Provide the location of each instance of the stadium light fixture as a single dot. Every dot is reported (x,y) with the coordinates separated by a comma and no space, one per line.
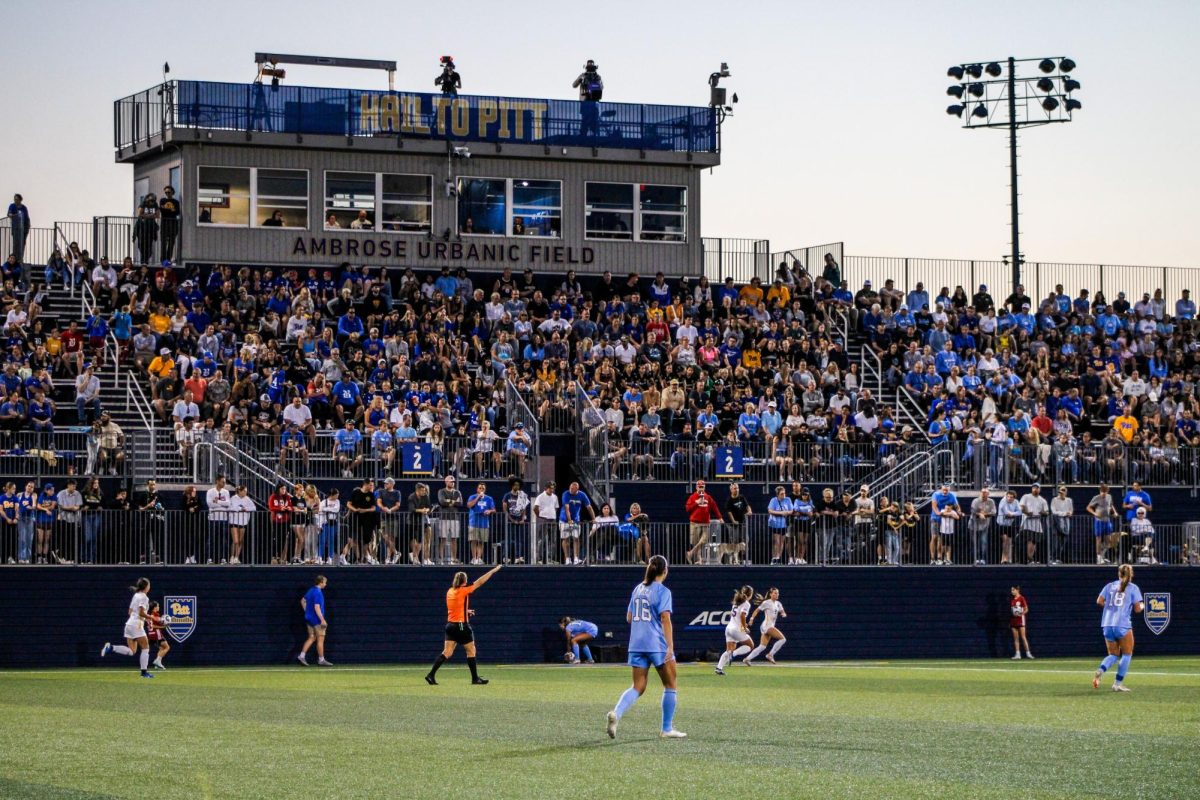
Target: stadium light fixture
(1010,100)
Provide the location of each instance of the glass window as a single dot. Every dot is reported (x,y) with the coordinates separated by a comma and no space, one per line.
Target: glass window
(536,208)
(482,206)
(662,213)
(608,211)
(281,198)
(223,196)
(407,203)
(350,200)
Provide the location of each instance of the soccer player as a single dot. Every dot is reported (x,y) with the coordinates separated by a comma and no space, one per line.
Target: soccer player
(135,628)
(1120,600)
(1019,607)
(651,641)
(579,633)
(458,624)
(771,610)
(154,634)
(313,604)
(737,631)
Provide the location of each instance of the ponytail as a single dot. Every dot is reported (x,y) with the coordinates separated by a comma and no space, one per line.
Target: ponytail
(743,594)
(759,599)
(142,585)
(1126,575)
(657,566)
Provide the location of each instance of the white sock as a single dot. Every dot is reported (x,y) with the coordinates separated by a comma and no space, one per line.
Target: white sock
(145,659)
(755,653)
(122,650)
(158,661)
(723,661)
(778,644)
(741,651)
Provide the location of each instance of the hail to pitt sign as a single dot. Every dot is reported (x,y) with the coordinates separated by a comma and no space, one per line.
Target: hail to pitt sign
(440,252)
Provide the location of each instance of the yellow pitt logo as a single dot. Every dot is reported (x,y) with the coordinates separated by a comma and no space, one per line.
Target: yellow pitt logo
(179,609)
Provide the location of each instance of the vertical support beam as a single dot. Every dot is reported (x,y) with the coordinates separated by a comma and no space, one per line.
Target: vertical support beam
(1012,172)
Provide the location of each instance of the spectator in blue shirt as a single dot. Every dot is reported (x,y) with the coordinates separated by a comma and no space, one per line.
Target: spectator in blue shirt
(1185,308)
(346,443)
(349,323)
(480,507)
(748,424)
(313,604)
(918,298)
(570,515)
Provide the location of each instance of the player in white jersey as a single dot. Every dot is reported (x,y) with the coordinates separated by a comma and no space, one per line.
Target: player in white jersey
(135,628)
(737,632)
(771,609)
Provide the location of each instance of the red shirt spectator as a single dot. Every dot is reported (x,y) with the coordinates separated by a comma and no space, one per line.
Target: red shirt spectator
(1042,424)
(198,386)
(280,506)
(702,507)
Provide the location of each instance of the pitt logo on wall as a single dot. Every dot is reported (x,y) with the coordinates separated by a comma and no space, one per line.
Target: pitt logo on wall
(488,118)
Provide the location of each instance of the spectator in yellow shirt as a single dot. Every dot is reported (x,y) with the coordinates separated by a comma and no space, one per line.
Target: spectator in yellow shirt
(162,366)
(752,292)
(779,295)
(1126,427)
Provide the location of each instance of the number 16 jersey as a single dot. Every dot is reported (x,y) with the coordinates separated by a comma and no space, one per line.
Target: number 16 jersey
(645,609)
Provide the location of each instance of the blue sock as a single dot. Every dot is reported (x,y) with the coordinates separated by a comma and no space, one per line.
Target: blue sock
(1107,663)
(575,651)
(668,708)
(1123,667)
(627,700)
(587,653)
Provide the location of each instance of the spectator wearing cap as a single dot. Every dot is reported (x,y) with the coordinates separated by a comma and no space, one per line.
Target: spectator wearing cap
(87,394)
(771,420)
(45,515)
(160,366)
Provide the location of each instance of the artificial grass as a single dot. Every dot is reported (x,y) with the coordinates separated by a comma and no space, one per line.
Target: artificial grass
(872,730)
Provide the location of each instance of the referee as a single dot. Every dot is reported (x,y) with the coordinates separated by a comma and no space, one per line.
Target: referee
(458,628)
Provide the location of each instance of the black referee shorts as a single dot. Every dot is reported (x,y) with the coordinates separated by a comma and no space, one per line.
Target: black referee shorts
(459,633)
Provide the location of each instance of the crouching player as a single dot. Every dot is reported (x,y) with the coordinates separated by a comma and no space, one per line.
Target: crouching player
(579,632)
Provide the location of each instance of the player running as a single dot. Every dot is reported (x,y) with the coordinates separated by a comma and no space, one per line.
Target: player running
(1120,600)
(651,641)
(135,628)
(154,634)
(771,610)
(458,624)
(737,631)
(579,633)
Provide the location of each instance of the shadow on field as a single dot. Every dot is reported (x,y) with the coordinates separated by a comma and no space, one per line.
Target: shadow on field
(564,748)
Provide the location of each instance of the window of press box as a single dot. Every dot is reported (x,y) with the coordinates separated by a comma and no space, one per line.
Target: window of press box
(536,208)
(482,206)
(608,211)
(350,200)
(281,198)
(407,203)
(223,196)
(663,213)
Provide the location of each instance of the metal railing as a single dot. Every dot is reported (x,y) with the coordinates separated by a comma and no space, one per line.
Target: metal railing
(981,463)
(177,537)
(411,115)
(30,455)
(592,446)
(1039,278)
(112,237)
(740,259)
(811,259)
(518,411)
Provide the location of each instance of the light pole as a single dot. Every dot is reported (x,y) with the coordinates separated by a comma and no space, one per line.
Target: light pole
(1012,101)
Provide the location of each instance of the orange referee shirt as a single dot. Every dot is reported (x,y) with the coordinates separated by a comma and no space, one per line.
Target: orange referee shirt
(456,603)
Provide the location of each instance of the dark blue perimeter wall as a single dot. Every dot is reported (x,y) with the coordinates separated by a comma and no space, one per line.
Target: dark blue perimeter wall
(61,616)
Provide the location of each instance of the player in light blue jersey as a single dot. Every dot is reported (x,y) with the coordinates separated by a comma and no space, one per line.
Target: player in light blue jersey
(1120,600)
(579,633)
(651,641)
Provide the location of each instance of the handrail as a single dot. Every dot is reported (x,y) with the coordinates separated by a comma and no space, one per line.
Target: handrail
(517,410)
(907,409)
(915,473)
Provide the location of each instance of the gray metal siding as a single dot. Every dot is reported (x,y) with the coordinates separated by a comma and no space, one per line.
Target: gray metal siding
(275,246)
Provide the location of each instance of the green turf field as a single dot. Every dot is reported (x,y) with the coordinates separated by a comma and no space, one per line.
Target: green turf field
(870,730)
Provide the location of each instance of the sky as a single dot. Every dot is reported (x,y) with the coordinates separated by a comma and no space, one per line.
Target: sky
(841,133)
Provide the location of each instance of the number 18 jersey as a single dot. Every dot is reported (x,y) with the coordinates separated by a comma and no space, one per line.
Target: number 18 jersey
(645,607)
(1118,605)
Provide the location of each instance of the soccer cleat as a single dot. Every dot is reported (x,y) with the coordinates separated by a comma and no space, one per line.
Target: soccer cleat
(1096,679)
(1029,656)
(479,682)
(106,649)
(323,663)
(302,659)
(146,674)
(770,658)
(1120,687)
(746,661)
(432,681)
(719,671)
(158,665)
(1016,657)
(611,727)
(672,734)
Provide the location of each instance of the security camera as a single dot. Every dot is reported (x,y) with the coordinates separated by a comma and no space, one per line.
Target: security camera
(462,152)
(450,190)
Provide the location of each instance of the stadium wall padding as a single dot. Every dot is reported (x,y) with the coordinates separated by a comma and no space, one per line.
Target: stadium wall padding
(60,617)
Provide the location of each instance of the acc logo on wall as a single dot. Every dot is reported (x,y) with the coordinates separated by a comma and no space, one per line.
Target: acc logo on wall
(182,611)
(1158,611)
(710,619)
